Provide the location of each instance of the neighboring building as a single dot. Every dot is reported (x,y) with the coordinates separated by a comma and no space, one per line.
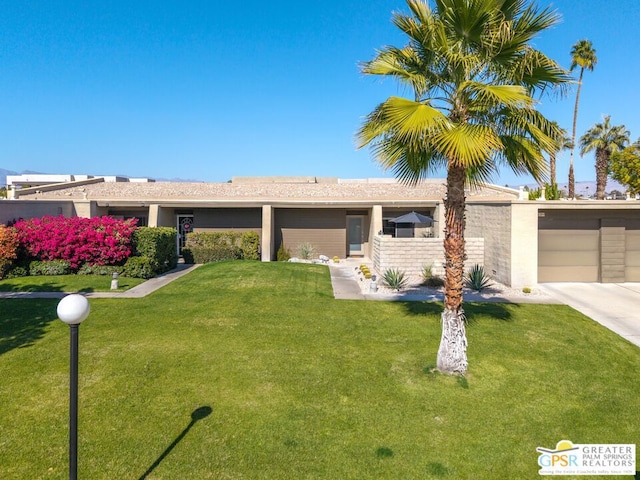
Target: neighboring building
(520,242)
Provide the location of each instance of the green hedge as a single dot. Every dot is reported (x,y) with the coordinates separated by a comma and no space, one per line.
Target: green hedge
(206,247)
(157,244)
(140,267)
(250,246)
(87,269)
(49,267)
(216,253)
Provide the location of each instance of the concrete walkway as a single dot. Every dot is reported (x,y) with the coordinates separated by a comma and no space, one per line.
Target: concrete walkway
(614,305)
(138,291)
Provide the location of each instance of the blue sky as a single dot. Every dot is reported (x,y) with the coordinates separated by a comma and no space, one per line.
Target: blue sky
(208,90)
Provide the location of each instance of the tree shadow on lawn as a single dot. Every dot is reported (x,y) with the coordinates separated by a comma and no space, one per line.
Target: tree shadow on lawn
(197,414)
(473,311)
(7,286)
(23,321)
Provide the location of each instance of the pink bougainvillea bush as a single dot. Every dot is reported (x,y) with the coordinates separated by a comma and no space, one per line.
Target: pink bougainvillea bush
(94,241)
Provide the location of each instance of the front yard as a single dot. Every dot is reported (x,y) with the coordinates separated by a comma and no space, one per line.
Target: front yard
(253,370)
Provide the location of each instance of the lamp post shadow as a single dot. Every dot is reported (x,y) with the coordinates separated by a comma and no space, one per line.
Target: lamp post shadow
(197,414)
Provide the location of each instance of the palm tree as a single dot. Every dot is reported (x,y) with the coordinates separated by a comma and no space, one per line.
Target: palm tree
(583,55)
(472,73)
(562,142)
(605,139)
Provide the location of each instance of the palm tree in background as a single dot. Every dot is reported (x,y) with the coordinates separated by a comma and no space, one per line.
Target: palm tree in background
(473,75)
(583,55)
(562,142)
(605,139)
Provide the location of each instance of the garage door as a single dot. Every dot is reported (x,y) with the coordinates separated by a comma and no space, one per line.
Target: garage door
(632,256)
(568,255)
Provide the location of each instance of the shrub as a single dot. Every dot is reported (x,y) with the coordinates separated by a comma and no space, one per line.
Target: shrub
(17,271)
(395,278)
(208,254)
(157,243)
(87,269)
(283,254)
(8,249)
(49,267)
(250,246)
(139,267)
(205,247)
(97,241)
(477,279)
(434,282)
(306,251)
(426,272)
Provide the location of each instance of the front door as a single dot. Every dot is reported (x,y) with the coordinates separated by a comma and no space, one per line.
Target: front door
(185,225)
(355,226)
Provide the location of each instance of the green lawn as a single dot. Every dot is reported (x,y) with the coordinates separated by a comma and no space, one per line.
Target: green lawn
(66,283)
(248,370)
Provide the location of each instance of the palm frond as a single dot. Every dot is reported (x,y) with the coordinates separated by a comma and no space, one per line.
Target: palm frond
(466,145)
(511,95)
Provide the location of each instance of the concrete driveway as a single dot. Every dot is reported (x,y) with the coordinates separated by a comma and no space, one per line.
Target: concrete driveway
(614,305)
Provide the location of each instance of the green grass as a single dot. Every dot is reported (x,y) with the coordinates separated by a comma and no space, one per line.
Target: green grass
(66,283)
(303,386)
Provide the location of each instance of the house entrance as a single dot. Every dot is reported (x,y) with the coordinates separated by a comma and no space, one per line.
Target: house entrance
(185,225)
(355,224)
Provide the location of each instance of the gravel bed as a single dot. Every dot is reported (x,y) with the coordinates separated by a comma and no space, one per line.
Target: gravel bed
(415,287)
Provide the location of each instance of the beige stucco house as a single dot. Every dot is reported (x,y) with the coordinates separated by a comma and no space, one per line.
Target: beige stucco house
(520,242)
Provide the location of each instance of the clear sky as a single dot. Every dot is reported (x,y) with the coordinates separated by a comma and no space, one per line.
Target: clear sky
(208,90)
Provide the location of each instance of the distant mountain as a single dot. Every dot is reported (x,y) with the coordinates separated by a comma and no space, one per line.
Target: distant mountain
(586,189)
(3,176)
(178,180)
(5,172)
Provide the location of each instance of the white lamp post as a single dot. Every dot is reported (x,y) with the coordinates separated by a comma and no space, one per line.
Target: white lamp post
(72,310)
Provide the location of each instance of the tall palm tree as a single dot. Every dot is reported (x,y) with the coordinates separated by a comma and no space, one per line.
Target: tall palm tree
(562,142)
(583,55)
(472,73)
(605,139)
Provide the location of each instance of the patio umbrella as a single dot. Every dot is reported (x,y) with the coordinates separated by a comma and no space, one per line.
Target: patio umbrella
(412,217)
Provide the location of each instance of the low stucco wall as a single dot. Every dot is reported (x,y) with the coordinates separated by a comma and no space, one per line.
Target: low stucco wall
(413,254)
(15,209)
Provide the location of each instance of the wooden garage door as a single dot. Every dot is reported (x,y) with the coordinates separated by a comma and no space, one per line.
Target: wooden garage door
(568,255)
(632,256)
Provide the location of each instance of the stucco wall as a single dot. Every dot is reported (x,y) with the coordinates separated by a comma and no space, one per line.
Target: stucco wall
(15,209)
(413,254)
(323,228)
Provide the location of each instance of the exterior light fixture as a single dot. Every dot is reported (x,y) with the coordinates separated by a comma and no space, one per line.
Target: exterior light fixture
(72,310)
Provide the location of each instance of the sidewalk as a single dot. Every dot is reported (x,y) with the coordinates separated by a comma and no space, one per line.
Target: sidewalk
(139,291)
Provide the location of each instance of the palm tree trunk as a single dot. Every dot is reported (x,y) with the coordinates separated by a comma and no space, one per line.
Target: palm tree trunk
(552,168)
(452,354)
(602,166)
(572,185)
(572,181)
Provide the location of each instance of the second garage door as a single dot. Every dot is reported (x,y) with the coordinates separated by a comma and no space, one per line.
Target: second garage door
(568,256)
